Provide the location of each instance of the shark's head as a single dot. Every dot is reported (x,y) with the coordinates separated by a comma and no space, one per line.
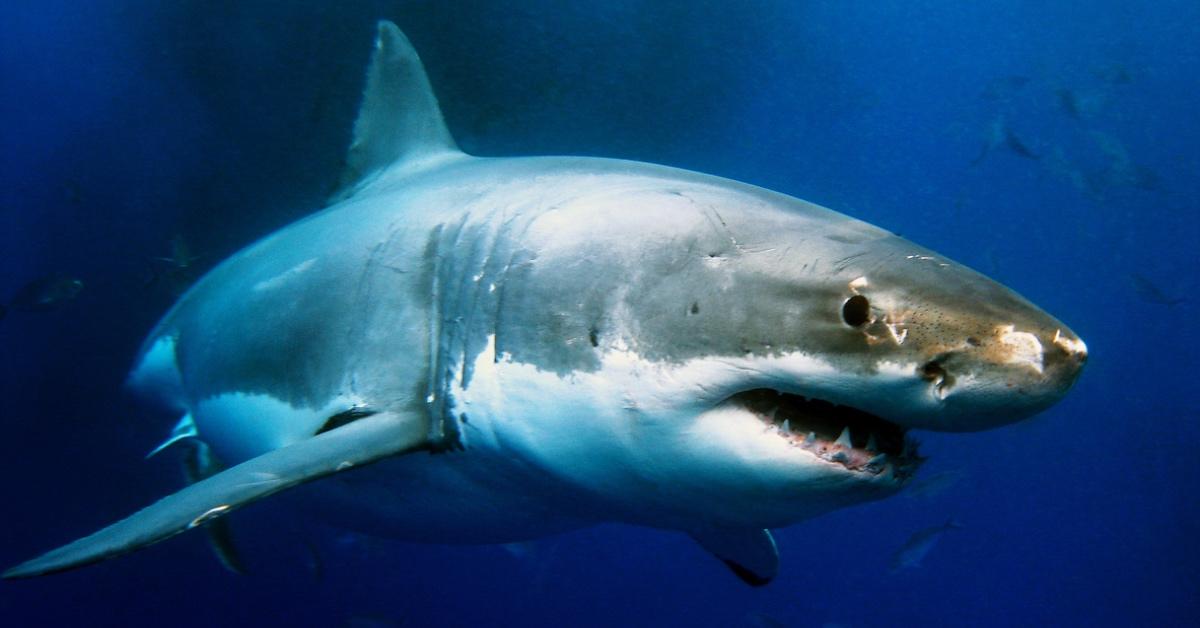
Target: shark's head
(750,358)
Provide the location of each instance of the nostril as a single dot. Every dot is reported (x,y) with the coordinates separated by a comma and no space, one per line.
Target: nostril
(933,372)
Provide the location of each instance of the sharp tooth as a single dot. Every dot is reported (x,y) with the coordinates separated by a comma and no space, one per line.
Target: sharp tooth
(872,445)
(877,460)
(811,438)
(787,427)
(844,439)
(889,473)
(841,456)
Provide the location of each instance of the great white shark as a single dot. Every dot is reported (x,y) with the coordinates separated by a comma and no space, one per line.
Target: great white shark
(489,350)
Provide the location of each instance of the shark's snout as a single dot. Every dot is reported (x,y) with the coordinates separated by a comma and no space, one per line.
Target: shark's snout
(1002,376)
(1063,357)
(1072,351)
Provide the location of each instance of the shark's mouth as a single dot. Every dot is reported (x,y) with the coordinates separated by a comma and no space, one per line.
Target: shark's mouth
(859,441)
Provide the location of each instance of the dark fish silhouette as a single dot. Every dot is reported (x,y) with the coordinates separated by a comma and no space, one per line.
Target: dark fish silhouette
(1122,170)
(176,272)
(918,545)
(1078,104)
(45,293)
(1000,135)
(1014,143)
(1068,101)
(1151,293)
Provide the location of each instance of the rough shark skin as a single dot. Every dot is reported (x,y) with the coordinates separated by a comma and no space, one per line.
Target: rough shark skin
(529,345)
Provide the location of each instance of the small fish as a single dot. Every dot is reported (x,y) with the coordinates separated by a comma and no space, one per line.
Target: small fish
(1151,293)
(181,254)
(177,271)
(1078,104)
(1122,170)
(1068,102)
(1014,143)
(46,293)
(1000,135)
(918,545)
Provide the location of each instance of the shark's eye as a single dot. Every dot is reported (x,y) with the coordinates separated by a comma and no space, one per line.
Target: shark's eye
(856,311)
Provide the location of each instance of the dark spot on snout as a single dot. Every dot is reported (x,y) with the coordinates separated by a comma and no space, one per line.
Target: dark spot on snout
(973,341)
(594,337)
(856,311)
(695,307)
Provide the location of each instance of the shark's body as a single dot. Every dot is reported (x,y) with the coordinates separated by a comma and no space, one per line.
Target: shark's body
(525,346)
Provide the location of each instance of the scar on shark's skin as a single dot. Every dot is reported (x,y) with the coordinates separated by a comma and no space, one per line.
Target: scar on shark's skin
(493,350)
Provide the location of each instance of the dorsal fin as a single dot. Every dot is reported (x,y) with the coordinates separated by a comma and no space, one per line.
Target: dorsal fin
(399,122)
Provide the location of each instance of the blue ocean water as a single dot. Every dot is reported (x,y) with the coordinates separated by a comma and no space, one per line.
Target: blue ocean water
(128,124)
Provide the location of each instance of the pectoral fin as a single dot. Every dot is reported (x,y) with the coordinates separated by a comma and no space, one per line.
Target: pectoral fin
(364,441)
(749,552)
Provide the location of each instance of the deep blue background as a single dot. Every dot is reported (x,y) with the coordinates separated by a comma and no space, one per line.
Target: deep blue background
(123,124)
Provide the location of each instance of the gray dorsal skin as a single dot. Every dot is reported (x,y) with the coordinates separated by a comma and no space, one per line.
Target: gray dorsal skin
(399,123)
(359,443)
